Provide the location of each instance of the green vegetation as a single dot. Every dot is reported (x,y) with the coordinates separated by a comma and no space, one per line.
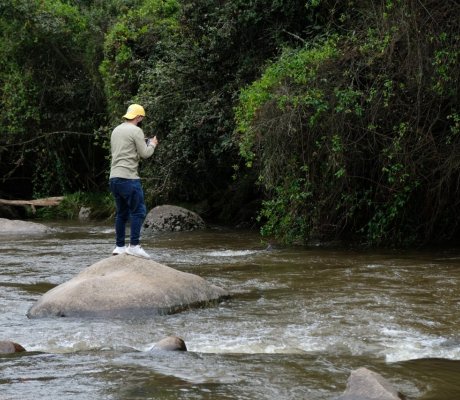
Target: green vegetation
(50,96)
(355,136)
(102,206)
(312,119)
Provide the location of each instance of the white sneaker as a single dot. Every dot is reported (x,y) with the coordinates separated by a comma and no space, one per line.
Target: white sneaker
(118,250)
(137,251)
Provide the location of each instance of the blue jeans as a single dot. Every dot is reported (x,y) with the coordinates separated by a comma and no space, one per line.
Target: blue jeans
(129,199)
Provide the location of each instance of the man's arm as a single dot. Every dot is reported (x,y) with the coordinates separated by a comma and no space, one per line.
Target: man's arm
(144,150)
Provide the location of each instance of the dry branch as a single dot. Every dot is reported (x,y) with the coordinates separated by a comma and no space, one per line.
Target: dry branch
(48,201)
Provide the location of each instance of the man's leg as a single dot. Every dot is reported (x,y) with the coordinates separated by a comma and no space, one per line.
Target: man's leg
(137,211)
(120,189)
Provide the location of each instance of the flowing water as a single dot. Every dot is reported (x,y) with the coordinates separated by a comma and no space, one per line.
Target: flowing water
(298,322)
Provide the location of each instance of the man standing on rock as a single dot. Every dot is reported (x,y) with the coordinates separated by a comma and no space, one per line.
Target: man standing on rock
(128,145)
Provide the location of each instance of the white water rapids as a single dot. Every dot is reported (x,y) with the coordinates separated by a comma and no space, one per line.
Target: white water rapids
(298,322)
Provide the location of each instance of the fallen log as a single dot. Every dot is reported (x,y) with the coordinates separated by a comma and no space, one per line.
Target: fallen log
(45,202)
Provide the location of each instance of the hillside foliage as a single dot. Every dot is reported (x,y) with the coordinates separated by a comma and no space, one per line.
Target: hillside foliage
(359,134)
(311,119)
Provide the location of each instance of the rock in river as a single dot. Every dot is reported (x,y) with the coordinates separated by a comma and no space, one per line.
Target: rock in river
(7,347)
(364,384)
(170,343)
(18,227)
(124,285)
(168,218)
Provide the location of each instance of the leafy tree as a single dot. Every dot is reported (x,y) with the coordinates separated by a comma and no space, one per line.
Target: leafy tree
(51,98)
(357,136)
(186,68)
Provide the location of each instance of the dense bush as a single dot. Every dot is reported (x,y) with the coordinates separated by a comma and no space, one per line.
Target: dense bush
(358,136)
(136,41)
(50,96)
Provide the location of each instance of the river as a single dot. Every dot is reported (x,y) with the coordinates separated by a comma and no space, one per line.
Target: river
(298,322)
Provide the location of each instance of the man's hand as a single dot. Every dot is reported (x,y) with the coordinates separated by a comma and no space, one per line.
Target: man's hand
(153,141)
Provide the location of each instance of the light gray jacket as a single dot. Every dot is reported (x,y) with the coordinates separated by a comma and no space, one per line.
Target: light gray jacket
(128,145)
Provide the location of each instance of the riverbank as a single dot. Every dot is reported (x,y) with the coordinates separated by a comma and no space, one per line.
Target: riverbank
(100,208)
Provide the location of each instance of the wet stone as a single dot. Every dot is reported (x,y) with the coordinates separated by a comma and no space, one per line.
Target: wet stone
(124,285)
(168,218)
(7,347)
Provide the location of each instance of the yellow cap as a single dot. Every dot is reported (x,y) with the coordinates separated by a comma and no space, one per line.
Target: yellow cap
(133,111)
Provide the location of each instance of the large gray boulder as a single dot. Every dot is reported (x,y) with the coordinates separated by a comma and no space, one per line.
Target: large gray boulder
(169,218)
(18,227)
(124,285)
(364,384)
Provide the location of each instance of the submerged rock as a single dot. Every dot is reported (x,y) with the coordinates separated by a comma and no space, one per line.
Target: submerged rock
(126,286)
(364,384)
(169,218)
(15,227)
(7,347)
(170,343)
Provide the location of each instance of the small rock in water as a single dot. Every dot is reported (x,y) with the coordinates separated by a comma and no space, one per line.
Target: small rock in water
(84,214)
(364,384)
(7,347)
(170,343)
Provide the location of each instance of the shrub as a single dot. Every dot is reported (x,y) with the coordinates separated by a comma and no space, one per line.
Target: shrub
(50,98)
(357,137)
